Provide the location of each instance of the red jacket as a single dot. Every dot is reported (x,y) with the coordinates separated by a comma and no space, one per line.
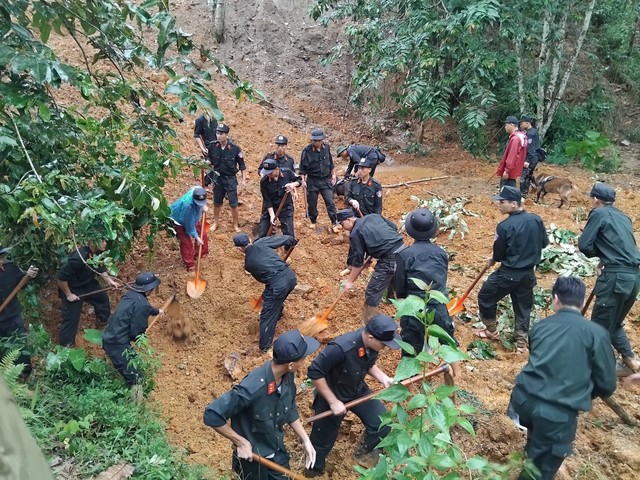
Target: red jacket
(514,155)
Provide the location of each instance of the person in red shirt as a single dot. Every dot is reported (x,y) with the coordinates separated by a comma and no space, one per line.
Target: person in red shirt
(515,152)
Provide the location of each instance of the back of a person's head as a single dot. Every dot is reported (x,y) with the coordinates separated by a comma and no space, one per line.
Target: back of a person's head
(570,291)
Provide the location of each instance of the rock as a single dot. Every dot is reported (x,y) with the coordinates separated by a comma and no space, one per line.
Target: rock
(625,143)
(301,289)
(191,397)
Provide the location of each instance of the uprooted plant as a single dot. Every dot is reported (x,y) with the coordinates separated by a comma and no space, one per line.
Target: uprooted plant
(449,215)
(563,257)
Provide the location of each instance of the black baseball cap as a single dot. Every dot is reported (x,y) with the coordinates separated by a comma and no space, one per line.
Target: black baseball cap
(344,214)
(268,166)
(4,250)
(241,240)
(364,162)
(223,128)
(292,346)
(511,194)
(512,119)
(603,192)
(384,329)
(525,118)
(281,140)
(199,196)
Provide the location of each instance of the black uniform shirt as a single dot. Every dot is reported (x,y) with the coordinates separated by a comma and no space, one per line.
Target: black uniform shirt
(273,190)
(519,241)
(76,273)
(226,161)
(533,145)
(372,235)
(10,276)
(130,319)
(206,129)
(425,261)
(285,162)
(570,361)
(261,259)
(258,409)
(343,364)
(316,163)
(608,235)
(368,195)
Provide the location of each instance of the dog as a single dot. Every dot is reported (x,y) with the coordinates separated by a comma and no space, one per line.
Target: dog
(544,184)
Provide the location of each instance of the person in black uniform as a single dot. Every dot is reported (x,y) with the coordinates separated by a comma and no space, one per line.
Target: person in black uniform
(226,159)
(355,153)
(608,235)
(11,322)
(130,320)
(364,193)
(338,374)
(376,237)
(273,185)
(533,153)
(285,161)
(425,261)
(570,363)
(77,278)
(318,176)
(518,246)
(260,406)
(266,266)
(204,132)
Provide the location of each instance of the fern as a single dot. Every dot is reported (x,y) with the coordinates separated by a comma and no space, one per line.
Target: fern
(11,373)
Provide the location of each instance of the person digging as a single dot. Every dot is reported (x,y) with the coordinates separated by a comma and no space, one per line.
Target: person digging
(186,213)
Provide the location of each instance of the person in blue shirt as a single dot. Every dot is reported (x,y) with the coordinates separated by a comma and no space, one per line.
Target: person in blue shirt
(186,213)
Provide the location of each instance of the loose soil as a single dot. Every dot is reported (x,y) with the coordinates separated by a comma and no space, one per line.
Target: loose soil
(193,373)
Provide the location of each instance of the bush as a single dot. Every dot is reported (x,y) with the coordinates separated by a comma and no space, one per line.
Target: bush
(595,152)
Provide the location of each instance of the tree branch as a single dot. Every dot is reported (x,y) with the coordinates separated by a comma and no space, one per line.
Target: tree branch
(24,148)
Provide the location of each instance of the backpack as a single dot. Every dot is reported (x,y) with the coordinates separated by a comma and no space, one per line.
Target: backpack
(542,154)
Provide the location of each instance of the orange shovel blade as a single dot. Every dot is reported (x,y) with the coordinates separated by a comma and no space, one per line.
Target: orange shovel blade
(314,325)
(456,306)
(255,302)
(195,287)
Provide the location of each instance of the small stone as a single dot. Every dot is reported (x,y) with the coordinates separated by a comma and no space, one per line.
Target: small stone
(182,366)
(302,289)
(191,397)
(625,143)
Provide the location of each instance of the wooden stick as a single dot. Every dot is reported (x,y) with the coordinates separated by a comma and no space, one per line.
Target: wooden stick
(276,468)
(589,300)
(23,281)
(409,182)
(171,298)
(441,369)
(617,408)
(277,215)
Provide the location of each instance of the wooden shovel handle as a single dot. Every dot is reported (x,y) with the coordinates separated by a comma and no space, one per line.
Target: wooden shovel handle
(203,223)
(23,281)
(155,318)
(276,468)
(444,368)
(280,207)
(475,281)
(589,300)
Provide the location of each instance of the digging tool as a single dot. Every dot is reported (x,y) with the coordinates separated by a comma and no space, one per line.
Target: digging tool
(271,225)
(589,300)
(276,468)
(196,287)
(304,200)
(456,305)
(23,281)
(166,305)
(444,368)
(100,290)
(256,302)
(618,410)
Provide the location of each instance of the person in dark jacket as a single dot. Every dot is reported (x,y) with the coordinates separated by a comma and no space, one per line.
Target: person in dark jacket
(318,177)
(608,235)
(518,246)
(130,320)
(570,363)
(376,237)
(259,408)
(533,153)
(424,261)
(355,153)
(275,182)
(364,193)
(204,132)
(77,278)
(338,374)
(11,322)
(186,213)
(266,266)
(280,155)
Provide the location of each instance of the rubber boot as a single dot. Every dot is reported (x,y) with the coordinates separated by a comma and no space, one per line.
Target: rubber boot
(632,363)
(234,217)
(367,314)
(216,217)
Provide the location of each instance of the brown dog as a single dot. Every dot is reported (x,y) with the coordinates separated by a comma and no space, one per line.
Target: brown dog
(549,184)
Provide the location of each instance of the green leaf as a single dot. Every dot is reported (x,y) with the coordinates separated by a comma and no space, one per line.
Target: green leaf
(77,357)
(4,140)
(93,336)
(442,462)
(395,393)
(439,332)
(467,409)
(425,447)
(444,391)
(417,401)
(411,306)
(422,285)
(407,347)
(450,354)
(466,424)
(438,296)
(407,368)
(477,463)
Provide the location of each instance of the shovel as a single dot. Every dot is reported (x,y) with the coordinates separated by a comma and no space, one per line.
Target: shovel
(318,323)
(456,305)
(196,287)
(276,468)
(256,302)
(23,281)
(589,300)
(271,225)
(166,305)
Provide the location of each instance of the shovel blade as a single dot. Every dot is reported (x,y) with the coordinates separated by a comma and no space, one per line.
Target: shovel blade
(455,306)
(195,288)
(314,325)
(256,302)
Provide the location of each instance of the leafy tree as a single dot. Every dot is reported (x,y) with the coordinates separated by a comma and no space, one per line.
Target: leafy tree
(86,148)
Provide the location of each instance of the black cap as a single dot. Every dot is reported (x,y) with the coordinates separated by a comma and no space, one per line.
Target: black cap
(268,166)
(603,192)
(510,119)
(223,128)
(292,346)
(241,240)
(384,328)
(4,250)
(364,162)
(344,214)
(525,118)
(199,196)
(421,224)
(512,194)
(317,134)
(145,282)
(281,140)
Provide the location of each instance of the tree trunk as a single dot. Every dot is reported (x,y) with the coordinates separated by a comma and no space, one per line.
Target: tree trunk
(542,66)
(521,92)
(218,19)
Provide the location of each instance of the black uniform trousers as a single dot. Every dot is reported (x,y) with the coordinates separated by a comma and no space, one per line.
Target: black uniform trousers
(274,295)
(256,471)
(71,312)
(517,283)
(120,360)
(225,185)
(322,186)
(380,280)
(509,182)
(286,220)
(527,176)
(325,432)
(14,327)
(551,429)
(412,330)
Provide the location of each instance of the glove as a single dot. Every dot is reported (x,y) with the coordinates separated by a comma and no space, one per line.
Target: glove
(355,204)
